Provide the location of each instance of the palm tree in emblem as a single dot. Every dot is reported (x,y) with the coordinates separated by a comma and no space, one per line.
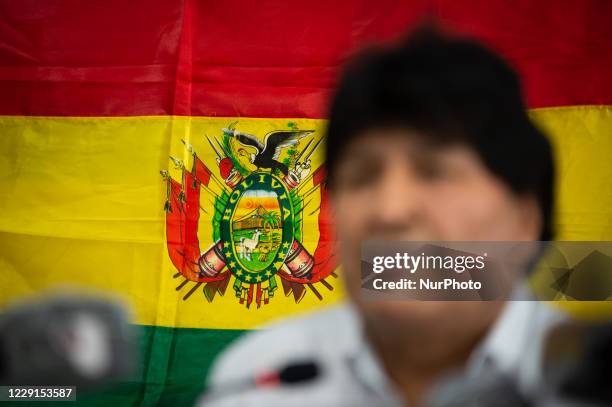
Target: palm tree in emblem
(271,220)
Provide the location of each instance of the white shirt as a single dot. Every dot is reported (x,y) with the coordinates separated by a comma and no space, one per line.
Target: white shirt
(352,374)
(515,343)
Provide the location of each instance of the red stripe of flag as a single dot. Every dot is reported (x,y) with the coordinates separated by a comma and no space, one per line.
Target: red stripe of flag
(153,57)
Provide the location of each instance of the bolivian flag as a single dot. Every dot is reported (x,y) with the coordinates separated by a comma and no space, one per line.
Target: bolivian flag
(171,153)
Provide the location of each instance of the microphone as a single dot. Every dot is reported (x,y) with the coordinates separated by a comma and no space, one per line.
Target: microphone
(67,340)
(292,374)
(578,364)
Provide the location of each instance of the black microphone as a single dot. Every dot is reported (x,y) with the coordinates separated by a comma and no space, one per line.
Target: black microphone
(578,364)
(298,372)
(65,340)
(292,374)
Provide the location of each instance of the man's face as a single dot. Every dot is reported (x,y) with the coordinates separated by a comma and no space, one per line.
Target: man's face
(391,185)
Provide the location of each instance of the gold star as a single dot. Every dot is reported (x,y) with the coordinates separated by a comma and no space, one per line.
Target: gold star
(228,253)
(225,245)
(233,264)
(239,272)
(258,278)
(248,278)
(285,245)
(268,273)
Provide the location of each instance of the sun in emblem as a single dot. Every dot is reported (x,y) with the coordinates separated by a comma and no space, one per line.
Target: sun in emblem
(257,221)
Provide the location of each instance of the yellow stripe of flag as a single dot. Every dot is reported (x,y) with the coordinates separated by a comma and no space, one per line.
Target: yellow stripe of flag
(82,204)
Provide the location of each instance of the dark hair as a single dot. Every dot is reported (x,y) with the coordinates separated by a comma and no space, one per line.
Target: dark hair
(451,90)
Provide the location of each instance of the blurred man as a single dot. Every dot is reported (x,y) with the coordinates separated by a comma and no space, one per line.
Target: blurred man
(428,140)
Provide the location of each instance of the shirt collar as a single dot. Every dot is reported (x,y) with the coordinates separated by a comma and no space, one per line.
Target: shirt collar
(366,366)
(515,344)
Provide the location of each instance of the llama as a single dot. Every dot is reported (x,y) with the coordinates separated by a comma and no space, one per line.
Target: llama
(248,245)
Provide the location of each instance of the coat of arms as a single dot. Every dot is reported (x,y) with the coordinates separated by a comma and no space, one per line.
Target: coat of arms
(257,217)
